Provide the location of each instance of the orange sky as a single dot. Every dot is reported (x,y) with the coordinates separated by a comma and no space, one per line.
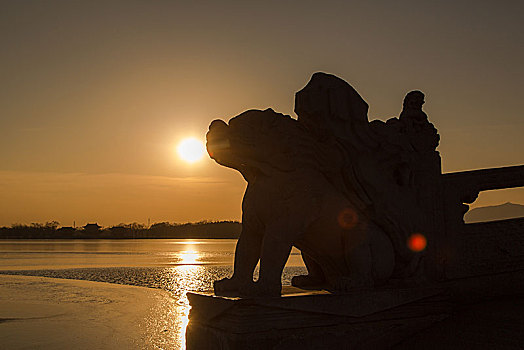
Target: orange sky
(96,95)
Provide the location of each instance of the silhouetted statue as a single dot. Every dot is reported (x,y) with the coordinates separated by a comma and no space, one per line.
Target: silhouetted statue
(376,221)
(346,192)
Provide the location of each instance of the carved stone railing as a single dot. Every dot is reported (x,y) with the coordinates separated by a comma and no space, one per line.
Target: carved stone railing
(480,248)
(462,188)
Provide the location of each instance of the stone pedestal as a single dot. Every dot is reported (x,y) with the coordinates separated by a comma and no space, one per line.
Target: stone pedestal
(375,319)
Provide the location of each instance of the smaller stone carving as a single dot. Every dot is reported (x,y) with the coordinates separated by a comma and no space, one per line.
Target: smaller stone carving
(421,133)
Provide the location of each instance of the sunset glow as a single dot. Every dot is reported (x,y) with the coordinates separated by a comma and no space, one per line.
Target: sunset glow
(315,174)
(97,102)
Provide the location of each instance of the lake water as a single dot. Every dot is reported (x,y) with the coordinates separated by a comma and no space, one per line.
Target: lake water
(177,266)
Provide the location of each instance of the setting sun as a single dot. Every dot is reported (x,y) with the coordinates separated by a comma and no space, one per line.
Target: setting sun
(191,150)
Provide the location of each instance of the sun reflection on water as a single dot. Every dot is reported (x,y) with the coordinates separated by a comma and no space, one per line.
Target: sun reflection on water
(185,278)
(179,280)
(189,257)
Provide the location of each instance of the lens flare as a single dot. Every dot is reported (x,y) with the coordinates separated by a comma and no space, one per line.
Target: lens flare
(347,218)
(417,242)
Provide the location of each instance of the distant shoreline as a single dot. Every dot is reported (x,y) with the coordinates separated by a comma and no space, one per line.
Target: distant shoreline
(164,230)
(109,238)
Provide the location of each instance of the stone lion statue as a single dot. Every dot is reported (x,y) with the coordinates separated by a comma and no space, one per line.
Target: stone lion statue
(289,202)
(346,192)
